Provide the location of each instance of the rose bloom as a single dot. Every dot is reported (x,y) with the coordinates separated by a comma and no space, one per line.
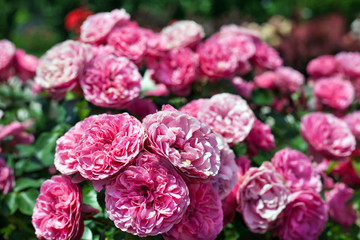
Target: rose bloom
(17,131)
(60,68)
(353,121)
(102,50)
(239,30)
(327,136)
(266,80)
(147,198)
(142,107)
(108,145)
(297,170)
(7,52)
(177,70)
(225,180)
(110,81)
(347,173)
(97,27)
(7,178)
(186,142)
(185,33)
(243,87)
(349,63)
(192,108)
(337,205)
(57,212)
(217,60)
(266,57)
(261,137)
(304,217)
(203,218)
(262,197)
(25,64)
(322,66)
(229,115)
(335,92)
(289,80)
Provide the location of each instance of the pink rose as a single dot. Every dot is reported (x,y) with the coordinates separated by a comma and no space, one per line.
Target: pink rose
(353,121)
(297,170)
(17,132)
(327,136)
(347,174)
(7,178)
(266,57)
(304,217)
(229,115)
(57,213)
(243,87)
(349,63)
(108,145)
(177,70)
(186,142)
(192,108)
(335,92)
(142,107)
(337,205)
(60,68)
(147,198)
(110,81)
(260,137)
(289,80)
(25,64)
(102,50)
(7,52)
(262,197)
(225,180)
(239,30)
(266,80)
(203,218)
(185,33)
(97,27)
(322,66)
(129,41)
(155,48)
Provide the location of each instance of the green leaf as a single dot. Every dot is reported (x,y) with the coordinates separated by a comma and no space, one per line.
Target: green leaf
(356,165)
(10,200)
(239,149)
(26,201)
(23,183)
(87,235)
(262,97)
(45,146)
(90,197)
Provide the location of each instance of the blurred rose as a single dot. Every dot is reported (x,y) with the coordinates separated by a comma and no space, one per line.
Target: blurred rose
(347,173)
(75,18)
(243,87)
(192,108)
(322,66)
(349,63)
(25,65)
(7,178)
(266,57)
(7,52)
(353,121)
(289,80)
(260,137)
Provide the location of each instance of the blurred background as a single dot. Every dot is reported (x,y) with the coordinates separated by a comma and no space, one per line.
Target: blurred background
(299,29)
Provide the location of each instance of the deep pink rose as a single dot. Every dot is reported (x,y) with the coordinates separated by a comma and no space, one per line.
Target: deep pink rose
(217,60)
(109,144)
(260,137)
(289,80)
(7,52)
(142,107)
(110,81)
(337,205)
(304,217)
(57,213)
(60,68)
(262,197)
(243,87)
(7,178)
(155,48)
(335,92)
(203,218)
(297,170)
(266,80)
(266,57)
(322,66)
(97,27)
(177,70)
(353,121)
(327,136)
(147,198)
(349,63)
(25,64)
(185,33)
(347,173)
(192,108)
(186,142)
(229,115)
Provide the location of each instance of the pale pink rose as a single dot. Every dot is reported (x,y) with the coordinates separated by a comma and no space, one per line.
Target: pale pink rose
(266,57)
(239,30)
(217,60)
(177,70)
(229,115)
(192,108)
(147,198)
(304,217)
(60,68)
(243,87)
(260,137)
(337,205)
(25,64)
(353,121)
(327,136)
(203,218)
(130,42)
(57,212)
(334,92)
(266,80)
(349,63)
(142,107)
(7,52)
(262,197)
(110,81)
(108,145)
(96,28)
(185,141)
(65,155)
(347,174)
(155,48)
(289,80)
(185,33)
(322,66)
(7,178)
(225,180)
(297,170)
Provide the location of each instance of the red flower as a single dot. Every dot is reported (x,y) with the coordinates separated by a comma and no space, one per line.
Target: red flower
(75,18)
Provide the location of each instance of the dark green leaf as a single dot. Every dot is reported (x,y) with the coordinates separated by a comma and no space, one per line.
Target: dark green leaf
(10,200)
(26,201)
(23,183)
(262,97)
